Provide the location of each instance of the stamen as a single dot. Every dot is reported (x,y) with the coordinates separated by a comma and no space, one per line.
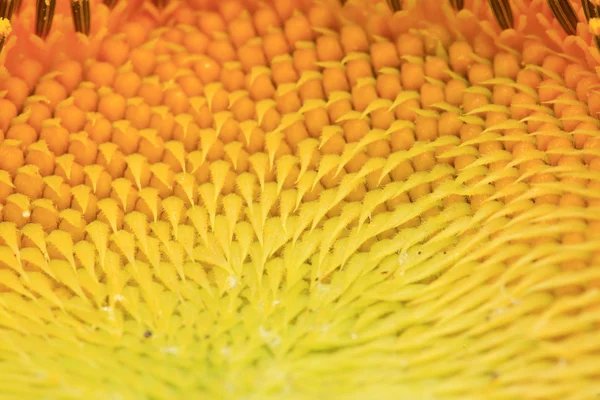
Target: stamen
(564,13)
(7,8)
(457,4)
(160,3)
(591,11)
(80,10)
(502,12)
(44,16)
(395,5)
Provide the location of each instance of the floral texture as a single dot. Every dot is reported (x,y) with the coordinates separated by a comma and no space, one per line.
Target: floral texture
(284,199)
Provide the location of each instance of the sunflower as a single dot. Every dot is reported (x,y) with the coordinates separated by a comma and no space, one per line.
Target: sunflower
(299,199)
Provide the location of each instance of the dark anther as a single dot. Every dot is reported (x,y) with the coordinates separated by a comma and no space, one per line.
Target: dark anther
(147,334)
(591,11)
(502,13)
(44,14)
(565,15)
(80,10)
(395,5)
(457,4)
(160,3)
(7,7)
(110,3)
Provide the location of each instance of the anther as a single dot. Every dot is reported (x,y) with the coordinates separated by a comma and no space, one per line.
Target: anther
(80,10)
(591,11)
(160,4)
(110,3)
(7,7)
(502,13)
(395,5)
(565,15)
(457,4)
(44,16)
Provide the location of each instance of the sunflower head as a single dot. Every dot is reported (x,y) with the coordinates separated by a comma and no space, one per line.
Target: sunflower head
(299,199)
